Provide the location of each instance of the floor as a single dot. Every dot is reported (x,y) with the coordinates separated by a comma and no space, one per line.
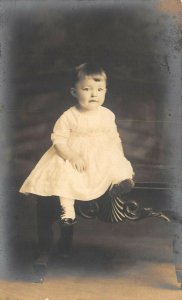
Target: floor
(129,261)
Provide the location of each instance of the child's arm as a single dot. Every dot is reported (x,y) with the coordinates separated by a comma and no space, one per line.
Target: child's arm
(59,137)
(114,134)
(120,146)
(77,162)
(116,138)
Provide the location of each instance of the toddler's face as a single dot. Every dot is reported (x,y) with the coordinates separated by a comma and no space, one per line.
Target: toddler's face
(90,92)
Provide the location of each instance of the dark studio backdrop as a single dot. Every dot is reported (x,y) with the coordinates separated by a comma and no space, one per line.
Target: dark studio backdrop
(133,43)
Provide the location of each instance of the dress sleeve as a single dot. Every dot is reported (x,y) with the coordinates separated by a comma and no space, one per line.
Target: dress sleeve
(113,131)
(61,131)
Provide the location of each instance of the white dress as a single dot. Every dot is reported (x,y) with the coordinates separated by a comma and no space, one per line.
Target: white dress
(95,137)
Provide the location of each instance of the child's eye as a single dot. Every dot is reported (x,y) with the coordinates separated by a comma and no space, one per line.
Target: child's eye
(100,89)
(85,89)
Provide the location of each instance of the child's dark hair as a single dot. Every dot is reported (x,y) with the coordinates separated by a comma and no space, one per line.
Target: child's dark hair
(88,69)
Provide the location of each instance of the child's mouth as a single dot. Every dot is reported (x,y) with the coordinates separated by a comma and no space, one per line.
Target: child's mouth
(93,101)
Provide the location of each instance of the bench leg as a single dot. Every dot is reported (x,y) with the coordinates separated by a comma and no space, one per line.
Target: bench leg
(65,242)
(177,250)
(47,212)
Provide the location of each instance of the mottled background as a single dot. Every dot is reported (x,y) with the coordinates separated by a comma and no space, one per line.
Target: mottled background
(128,43)
(136,44)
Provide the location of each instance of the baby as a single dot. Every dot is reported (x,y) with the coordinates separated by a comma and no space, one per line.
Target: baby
(86,157)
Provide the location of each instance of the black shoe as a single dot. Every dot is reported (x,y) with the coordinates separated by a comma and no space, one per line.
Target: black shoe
(121,188)
(126,186)
(68,221)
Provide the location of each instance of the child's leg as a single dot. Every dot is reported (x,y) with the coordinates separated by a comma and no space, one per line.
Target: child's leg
(68,208)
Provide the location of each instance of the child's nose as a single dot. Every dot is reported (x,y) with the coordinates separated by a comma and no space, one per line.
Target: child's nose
(94,93)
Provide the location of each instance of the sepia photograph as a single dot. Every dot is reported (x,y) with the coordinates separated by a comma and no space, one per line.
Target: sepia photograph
(90,156)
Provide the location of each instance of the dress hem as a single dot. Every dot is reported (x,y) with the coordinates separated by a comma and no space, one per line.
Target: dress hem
(88,198)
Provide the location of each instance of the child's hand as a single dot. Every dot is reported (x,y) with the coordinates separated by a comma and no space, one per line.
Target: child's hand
(78,163)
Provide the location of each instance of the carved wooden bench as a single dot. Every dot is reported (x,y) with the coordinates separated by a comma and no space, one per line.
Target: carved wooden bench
(109,208)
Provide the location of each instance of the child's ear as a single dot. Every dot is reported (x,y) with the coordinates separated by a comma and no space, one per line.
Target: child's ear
(73,92)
